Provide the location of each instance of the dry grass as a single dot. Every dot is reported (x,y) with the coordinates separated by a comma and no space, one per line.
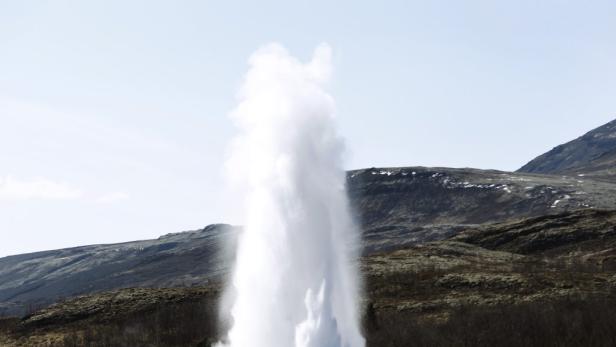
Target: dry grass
(566,322)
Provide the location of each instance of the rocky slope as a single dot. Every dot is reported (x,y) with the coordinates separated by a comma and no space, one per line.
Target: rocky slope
(521,275)
(184,259)
(591,233)
(399,206)
(514,261)
(593,154)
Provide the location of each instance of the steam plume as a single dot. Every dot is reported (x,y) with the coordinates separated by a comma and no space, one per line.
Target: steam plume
(294,282)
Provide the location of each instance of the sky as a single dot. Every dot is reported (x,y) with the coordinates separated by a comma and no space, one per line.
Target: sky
(114,114)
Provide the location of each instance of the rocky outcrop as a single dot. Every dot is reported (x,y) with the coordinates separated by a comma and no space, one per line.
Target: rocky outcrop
(584,231)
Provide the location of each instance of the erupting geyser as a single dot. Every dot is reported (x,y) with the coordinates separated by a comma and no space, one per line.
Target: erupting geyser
(295,281)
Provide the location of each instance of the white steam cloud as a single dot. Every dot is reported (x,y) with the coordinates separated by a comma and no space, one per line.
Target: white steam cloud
(295,280)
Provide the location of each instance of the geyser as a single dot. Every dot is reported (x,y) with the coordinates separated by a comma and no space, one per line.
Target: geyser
(295,281)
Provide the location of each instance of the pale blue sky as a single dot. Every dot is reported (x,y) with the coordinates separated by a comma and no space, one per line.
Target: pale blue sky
(113,119)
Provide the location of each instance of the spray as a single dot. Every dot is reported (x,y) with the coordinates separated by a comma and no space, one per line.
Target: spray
(295,281)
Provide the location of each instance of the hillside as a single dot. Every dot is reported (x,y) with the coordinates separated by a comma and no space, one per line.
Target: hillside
(174,260)
(397,207)
(561,290)
(590,155)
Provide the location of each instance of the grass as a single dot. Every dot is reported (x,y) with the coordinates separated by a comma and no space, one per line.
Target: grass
(566,322)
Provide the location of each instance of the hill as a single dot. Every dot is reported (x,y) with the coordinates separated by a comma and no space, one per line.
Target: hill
(590,155)
(541,281)
(396,207)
